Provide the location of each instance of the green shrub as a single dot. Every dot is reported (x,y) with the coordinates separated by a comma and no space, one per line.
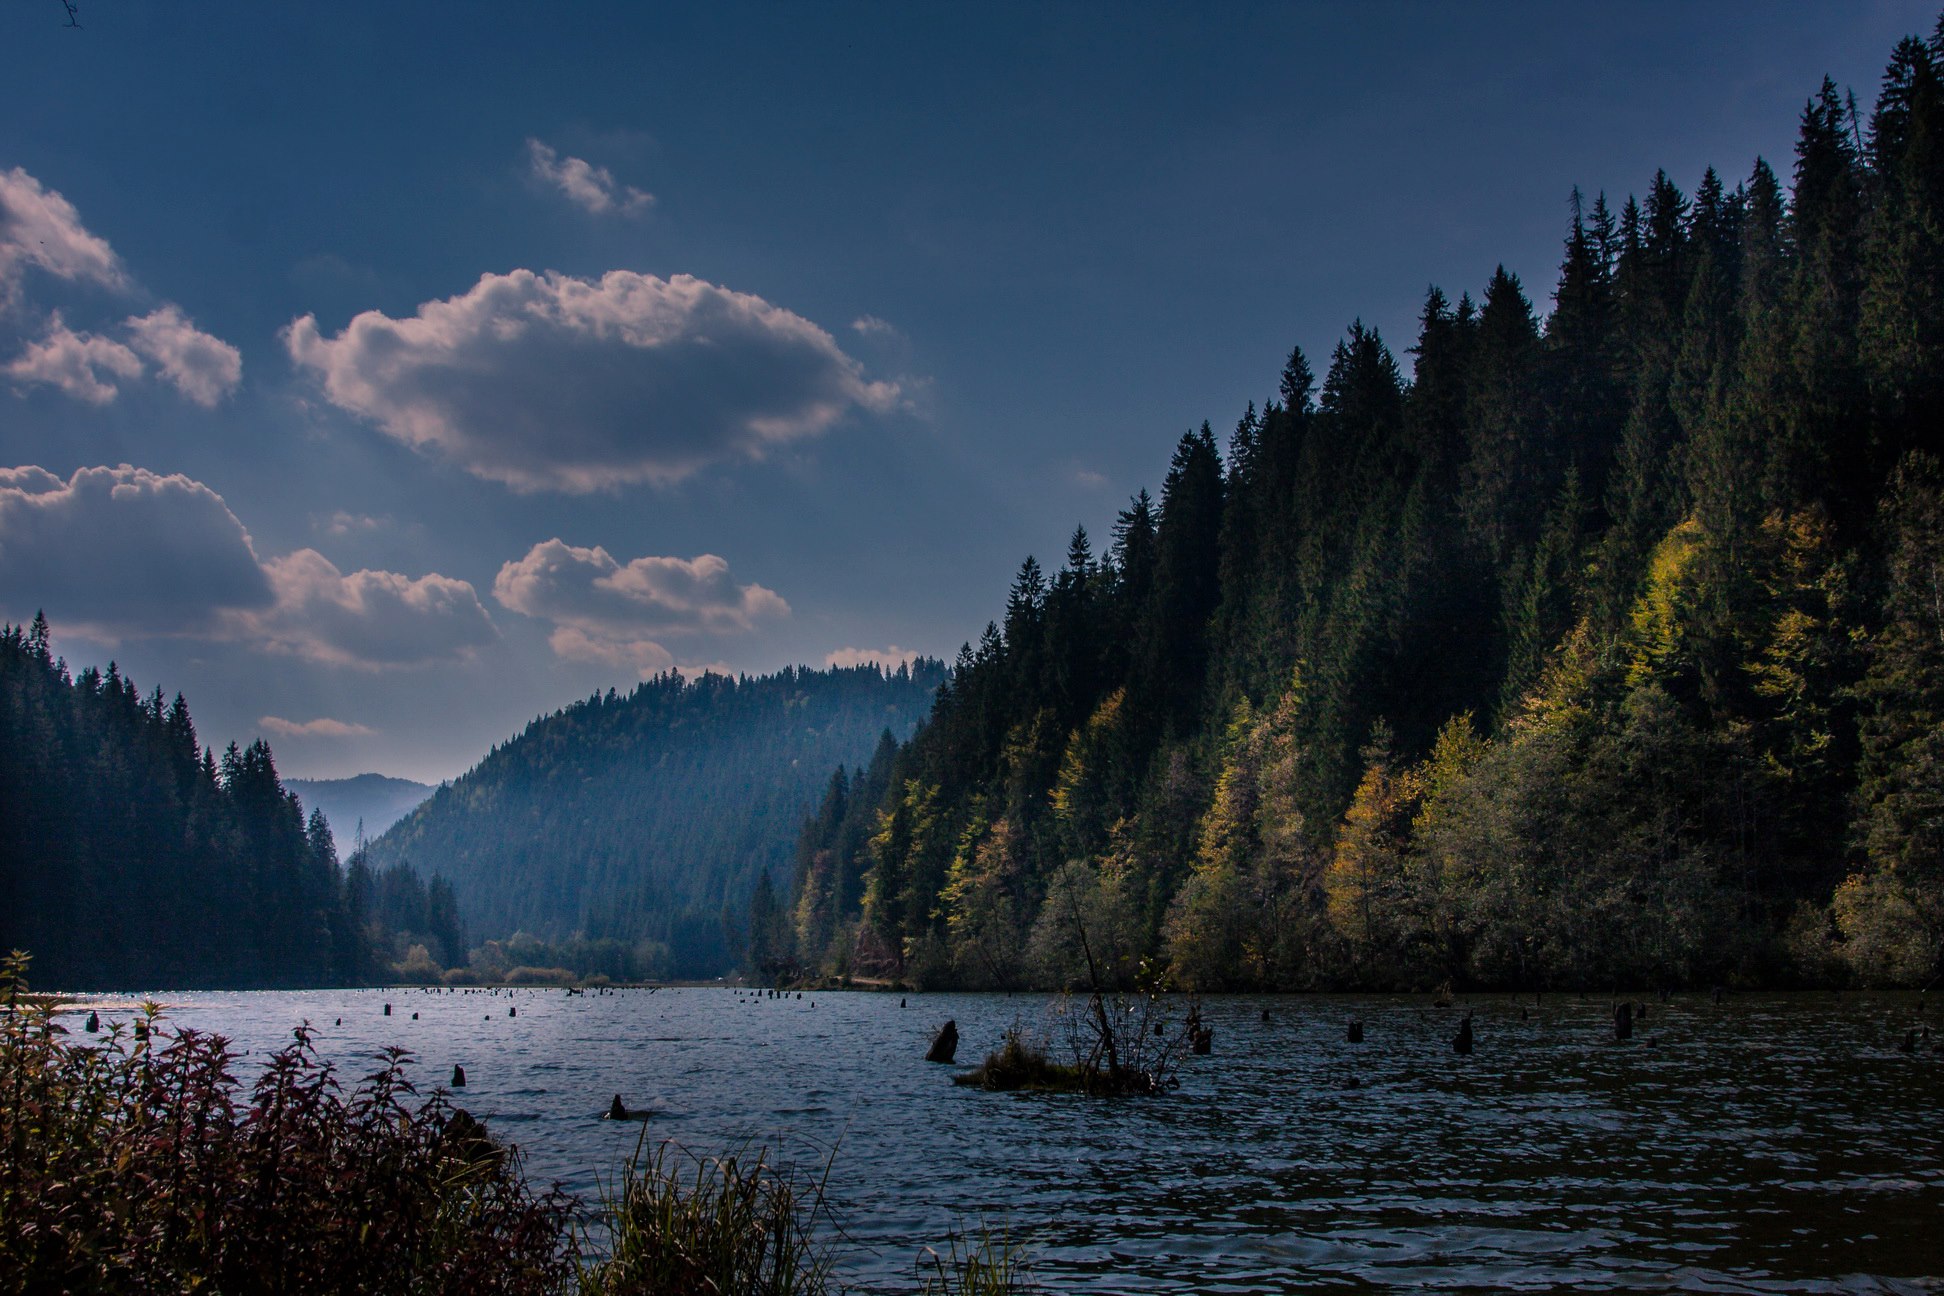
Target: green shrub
(139,1164)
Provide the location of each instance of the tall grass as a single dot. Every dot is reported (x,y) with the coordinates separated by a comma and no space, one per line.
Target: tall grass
(734,1225)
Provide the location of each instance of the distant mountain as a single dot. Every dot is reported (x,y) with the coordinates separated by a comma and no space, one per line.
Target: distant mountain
(377,800)
(646,819)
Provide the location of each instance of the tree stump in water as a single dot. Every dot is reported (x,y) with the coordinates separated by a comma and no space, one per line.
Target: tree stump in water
(1462,1044)
(1355,1035)
(944,1045)
(1623,1022)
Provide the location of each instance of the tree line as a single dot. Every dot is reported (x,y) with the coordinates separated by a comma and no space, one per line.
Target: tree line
(131,856)
(625,835)
(1604,647)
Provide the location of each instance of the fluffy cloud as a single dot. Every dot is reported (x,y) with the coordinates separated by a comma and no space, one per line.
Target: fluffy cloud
(888,659)
(322,727)
(589,589)
(124,550)
(548,382)
(127,553)
(84,365)
(40,228)
(607,611)
(203,368)
(369,619)
(644,657)
(584,184)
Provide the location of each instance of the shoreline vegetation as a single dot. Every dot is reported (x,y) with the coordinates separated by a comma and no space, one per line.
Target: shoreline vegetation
(140,1162)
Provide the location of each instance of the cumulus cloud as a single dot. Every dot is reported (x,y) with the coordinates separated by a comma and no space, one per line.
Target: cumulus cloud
(549,382)
(608,611)
(870,325)
(84,365)
(590,589)
(322,727)
(40,228)
(585,185)
(123,552)
(202,367)
(644,657)
(369,619)
(888,659)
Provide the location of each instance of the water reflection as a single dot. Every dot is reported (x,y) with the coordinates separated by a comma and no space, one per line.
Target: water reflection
(1775,1143)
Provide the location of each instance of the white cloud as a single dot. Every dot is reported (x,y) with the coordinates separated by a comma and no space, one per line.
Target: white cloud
(548,382)
(888,659)
(123,552)
(118,551)
(870,325)
(84,365)
(586,185)
(322,727)
(590,589)
(607,611)
(645,657)
(203,368)
(344,523)
(40,228)
(369,619)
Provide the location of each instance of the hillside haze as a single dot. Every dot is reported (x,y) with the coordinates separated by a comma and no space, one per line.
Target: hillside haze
(647,818)
(374,800)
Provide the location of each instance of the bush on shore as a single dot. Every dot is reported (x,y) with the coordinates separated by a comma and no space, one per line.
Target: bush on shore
(136,1162)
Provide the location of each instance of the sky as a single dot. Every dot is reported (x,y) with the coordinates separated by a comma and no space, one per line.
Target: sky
(380,377)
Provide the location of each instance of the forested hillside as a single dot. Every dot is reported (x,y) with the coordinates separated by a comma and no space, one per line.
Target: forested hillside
(638,826)
(132,857)
(1605,648)
(372,801)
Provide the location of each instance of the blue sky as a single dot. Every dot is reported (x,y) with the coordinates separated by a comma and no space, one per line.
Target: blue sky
(465,359)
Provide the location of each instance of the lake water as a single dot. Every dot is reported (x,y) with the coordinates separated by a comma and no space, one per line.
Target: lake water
(1769,1143)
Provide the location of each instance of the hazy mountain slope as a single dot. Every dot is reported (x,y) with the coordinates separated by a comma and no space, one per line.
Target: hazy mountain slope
(375,799)
(648,817)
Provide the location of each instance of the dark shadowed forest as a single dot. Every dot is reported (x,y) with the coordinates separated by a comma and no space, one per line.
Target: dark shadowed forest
(1607,647)
(132,856)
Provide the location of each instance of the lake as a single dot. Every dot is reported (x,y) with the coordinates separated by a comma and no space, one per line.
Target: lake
(1768,1143)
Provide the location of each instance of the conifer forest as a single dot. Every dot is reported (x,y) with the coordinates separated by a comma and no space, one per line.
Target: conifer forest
(1606,647)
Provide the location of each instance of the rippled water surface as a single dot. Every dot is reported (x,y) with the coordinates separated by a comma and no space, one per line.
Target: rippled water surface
(1772,1143)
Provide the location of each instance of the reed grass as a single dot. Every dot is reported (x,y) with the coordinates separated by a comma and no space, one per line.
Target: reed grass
(687,1225)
